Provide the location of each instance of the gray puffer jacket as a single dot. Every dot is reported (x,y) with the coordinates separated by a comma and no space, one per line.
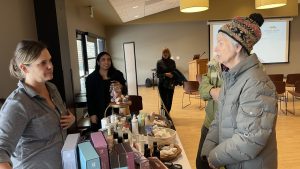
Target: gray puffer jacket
(242,135)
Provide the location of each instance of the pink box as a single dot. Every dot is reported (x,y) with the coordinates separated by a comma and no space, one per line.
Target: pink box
(100,144)
(123,152)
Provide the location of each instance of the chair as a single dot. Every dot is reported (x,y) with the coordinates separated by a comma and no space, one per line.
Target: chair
(291,79)
(295,93)
(190,88)
(136,104)
(280,89)
(276,77)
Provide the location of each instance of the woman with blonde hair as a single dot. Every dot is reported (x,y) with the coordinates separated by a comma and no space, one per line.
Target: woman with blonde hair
(165,68)
(33,118)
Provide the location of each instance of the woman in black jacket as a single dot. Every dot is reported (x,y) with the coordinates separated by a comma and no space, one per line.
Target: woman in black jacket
(98,85)
(165,72)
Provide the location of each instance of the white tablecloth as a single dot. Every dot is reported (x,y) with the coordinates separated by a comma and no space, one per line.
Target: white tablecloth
(182,159)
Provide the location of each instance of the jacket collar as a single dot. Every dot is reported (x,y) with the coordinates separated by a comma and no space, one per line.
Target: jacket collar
(240,68)
(30,91)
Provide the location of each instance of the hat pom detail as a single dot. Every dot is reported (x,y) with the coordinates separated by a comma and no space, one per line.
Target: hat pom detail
(258,18)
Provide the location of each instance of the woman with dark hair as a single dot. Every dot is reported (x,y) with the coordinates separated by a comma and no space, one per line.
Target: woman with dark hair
(98,85)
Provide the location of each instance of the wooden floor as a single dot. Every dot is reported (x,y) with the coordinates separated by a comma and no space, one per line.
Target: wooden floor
(188,122)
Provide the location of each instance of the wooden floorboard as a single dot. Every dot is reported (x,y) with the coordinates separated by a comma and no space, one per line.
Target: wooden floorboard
(188,122)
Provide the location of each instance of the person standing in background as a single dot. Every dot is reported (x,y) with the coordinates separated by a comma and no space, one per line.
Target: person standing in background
(98,88)
(164,70)
(33,118)
(242,135)
(209,91)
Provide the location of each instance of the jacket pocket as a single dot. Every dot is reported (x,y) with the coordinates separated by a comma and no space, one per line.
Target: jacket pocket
(248,119)
(251,111)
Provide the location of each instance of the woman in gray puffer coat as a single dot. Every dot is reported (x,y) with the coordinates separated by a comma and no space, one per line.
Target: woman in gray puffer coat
(242,135)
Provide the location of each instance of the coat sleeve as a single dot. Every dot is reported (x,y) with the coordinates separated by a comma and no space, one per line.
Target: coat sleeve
(159,70)
(13,120)
(91,96)
(205,87)
(256,118)
(212,138)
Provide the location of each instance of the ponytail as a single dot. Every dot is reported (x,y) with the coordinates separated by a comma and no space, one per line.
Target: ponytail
(14,69)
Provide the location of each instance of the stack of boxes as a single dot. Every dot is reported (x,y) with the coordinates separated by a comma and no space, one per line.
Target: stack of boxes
(94,154)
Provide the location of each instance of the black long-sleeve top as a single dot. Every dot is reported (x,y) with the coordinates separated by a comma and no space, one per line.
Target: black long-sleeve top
(97,91)
(164,66)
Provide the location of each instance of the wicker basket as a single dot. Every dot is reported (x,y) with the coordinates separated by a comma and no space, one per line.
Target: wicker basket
(167,158)
(164,140)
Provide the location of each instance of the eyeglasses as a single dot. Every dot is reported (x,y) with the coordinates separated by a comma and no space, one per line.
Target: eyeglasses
(170,165)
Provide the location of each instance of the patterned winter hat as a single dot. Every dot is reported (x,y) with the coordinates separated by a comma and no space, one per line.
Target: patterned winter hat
(246,31)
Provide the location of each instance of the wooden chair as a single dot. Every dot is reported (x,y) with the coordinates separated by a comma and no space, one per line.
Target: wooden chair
(190,88)
(295,94)
(281,93)
(291,79)
(276,77)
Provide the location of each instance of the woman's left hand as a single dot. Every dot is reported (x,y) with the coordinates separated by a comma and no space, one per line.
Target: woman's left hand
(66,121)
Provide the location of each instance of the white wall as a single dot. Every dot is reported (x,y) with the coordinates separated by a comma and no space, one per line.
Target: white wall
(183,39)
(18,22)
(293,65)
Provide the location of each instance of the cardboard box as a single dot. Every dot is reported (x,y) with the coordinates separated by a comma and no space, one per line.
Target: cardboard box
(69,152)
(88,156)
(122,155)
(100,144)
(115,162)
(141,162)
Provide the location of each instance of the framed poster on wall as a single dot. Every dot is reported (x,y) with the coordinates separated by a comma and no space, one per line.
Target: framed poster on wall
(130,67)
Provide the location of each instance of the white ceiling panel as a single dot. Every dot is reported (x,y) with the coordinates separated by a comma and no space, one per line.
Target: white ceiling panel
(129,10)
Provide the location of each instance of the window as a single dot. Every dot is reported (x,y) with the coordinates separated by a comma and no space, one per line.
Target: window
(88,47)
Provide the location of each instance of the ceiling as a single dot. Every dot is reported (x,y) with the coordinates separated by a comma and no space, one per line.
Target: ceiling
(118,12)
(129,10)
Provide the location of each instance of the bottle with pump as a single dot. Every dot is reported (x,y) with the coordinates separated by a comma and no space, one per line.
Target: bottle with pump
(134,125)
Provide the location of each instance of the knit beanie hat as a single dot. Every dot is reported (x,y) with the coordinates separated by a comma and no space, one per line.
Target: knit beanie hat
(246,31)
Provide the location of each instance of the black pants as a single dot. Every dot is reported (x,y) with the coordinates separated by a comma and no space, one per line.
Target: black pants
(200,163)
(166,96)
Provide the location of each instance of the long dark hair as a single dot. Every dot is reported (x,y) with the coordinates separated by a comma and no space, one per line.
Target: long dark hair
(111,69)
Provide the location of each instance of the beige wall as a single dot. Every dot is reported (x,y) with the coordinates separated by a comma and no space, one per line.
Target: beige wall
(17,22)
(20,24)
(78,19)
(184,39)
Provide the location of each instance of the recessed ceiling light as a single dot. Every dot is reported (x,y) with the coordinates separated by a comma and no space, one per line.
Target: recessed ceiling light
(135,7)
(136,16)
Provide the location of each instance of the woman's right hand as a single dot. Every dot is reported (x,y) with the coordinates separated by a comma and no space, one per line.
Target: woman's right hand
(214,92)
(5,166)
(169,75)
